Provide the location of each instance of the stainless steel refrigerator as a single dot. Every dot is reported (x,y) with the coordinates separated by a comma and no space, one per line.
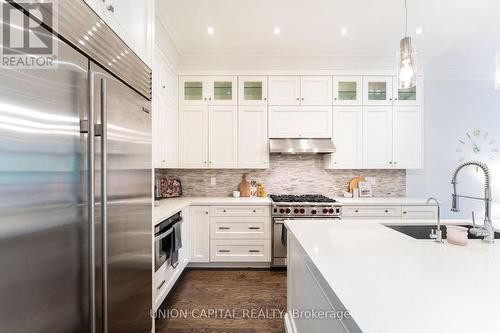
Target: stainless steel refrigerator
(75,186)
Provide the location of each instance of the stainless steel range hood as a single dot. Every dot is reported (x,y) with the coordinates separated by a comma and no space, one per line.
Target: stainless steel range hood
(301,146)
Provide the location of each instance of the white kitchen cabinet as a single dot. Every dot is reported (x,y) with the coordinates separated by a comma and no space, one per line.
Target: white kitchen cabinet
(411,96)
(284,90)
(223,137)
(419,212)
(240,250)
(199,230)
(208,90)
(377,137)
(377,90)
(193,137)
(300,122)
(347,137)
(222,90)
(316,90)
(407,137)
(371,212)
(193,90)
(253,142)
(252,90)
(131,20)
(165,114)
(347,90)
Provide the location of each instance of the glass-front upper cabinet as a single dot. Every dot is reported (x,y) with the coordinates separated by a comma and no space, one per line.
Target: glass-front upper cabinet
(377,90)
(207,90)
(252,90)
(410,96)
(222,90)
(193,90)
(347,90)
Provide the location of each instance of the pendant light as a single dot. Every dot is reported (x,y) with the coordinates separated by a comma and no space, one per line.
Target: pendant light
(407,71)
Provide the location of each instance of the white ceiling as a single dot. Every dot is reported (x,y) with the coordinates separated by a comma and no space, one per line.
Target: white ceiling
(463,28)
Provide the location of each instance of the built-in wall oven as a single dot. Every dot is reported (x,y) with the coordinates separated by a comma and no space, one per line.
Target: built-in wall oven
(164,240)
(293,207)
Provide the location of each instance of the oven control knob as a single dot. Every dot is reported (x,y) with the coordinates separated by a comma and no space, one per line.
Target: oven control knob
(331,211)
(288,210)
(313,211)
(325,211)
(302,210)
(282,210)
(296,211)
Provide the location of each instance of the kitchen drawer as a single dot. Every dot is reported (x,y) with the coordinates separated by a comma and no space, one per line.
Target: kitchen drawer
(240,250)
(240,211)
(240,228)
(419,212)
(371,212)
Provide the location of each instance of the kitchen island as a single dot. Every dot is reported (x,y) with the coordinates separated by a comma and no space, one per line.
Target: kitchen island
(387,281)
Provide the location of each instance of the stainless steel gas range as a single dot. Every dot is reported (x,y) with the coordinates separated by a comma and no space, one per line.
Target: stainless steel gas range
(297,207)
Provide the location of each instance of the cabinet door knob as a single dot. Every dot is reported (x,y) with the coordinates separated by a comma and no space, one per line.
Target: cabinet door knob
(356,211)
(205,99)
(390,162)
(254,211)
(298,99)
(387,211)
(390,99)
(265,98)
(206,212)
(404,212)
(111,8)
(335,99)
(302,98)
(224,210)
(210,98)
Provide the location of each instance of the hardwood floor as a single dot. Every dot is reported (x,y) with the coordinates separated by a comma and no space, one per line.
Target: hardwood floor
(225,301)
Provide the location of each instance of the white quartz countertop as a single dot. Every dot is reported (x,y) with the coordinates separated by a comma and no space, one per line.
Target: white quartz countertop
(171,206)
(392,283)
(383,201)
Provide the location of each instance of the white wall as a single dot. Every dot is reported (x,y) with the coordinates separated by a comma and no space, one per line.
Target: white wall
(453,107)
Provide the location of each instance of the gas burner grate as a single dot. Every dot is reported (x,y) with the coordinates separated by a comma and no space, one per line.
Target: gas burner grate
(313,198)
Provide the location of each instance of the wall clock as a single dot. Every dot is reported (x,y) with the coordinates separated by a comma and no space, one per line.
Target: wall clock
(477,145)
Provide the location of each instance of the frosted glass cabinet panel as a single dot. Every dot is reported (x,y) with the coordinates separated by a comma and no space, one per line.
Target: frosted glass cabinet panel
(193,90)
(411,96)
(347,90)
(252,90)
(377,90)
(222,90)
(207,90)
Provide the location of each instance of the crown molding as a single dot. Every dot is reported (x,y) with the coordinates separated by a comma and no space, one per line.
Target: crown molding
(171,33)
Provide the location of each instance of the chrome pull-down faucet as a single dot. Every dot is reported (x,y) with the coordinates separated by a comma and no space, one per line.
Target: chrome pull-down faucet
(487,231)
(436,234)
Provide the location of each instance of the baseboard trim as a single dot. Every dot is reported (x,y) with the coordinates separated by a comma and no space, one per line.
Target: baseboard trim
(229,265)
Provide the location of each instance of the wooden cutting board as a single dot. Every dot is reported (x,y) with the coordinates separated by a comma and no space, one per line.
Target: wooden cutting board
(354,182)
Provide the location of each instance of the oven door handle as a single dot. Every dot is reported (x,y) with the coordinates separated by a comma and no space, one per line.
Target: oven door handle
(163,235)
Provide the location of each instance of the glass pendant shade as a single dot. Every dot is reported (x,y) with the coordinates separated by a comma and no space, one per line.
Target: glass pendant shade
(407,65)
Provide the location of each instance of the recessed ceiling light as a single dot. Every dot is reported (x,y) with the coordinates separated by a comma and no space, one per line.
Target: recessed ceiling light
(419,30)
(343,31)
(277,30)
(210,30)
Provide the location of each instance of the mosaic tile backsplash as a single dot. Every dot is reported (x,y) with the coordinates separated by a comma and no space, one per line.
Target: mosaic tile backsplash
(287,174)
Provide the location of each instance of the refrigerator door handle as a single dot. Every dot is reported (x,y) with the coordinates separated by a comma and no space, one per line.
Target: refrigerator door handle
(104,203)
(91,200)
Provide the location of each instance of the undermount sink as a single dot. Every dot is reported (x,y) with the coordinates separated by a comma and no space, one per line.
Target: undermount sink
(422,231)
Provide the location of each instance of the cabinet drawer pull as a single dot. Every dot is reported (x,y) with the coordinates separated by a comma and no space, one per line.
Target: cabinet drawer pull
(254,251)
(255,211)
(111,8)
(404,212)
(224,228)
(224,251)
(356,211)
(161,285)
(254,228)
(223,210)
(387,211)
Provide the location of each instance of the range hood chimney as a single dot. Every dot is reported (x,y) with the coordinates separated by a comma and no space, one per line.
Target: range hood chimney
(301,146)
